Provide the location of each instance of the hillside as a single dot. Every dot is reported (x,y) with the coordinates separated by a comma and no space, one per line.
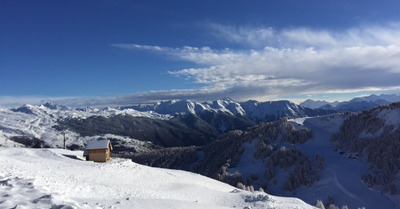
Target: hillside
(341,175)
(217,159)
(297,157)
(30,123)
(52,178)
(373,136)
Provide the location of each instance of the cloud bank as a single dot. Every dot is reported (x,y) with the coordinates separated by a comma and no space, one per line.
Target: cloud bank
(290,61)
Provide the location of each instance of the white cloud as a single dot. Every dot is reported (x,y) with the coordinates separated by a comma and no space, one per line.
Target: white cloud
(144,47)
(291,61)
(307,37)
(244,35)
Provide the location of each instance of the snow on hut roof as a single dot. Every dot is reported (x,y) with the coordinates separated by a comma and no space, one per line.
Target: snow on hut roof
(98,144)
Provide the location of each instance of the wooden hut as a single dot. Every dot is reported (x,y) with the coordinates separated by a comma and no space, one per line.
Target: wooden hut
(98,150)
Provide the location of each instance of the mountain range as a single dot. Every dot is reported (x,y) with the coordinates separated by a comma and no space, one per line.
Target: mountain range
(252,110)
(343,158)
(165,124)
(354,105)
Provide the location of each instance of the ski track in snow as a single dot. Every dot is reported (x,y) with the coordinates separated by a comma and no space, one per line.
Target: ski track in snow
(51,178)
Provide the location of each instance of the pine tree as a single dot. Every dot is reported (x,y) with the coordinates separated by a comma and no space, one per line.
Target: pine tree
(241,186)
(320,204)
(332,206)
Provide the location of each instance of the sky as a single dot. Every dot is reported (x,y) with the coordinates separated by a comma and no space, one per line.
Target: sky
(87,52)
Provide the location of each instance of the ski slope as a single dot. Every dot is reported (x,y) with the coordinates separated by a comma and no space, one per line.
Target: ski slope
(56,178)
(341,176)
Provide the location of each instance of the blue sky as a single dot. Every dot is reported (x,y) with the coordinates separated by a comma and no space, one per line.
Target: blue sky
(122,52)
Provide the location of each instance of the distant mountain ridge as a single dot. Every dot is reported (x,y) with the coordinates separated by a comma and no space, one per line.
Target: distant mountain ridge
(252,110)
(190,123)
(187,106)
(199,122)
(354,105)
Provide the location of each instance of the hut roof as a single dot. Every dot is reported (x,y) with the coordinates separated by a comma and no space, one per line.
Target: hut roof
(98,144)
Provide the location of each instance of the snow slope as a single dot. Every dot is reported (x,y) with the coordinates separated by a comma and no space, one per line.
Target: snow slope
(341,176)
(39,121)
(55,178)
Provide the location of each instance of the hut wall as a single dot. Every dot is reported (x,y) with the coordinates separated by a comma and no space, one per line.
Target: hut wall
(99,155)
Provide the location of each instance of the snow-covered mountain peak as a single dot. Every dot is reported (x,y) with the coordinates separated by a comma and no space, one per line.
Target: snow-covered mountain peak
(175,106)
(53,106)
(88,109)
(228,105)
(313,104)
(28,109)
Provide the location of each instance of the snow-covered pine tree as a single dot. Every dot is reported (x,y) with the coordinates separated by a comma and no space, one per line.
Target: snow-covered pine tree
(320,204)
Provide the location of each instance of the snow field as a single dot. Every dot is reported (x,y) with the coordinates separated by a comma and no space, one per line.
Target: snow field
(45,178)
